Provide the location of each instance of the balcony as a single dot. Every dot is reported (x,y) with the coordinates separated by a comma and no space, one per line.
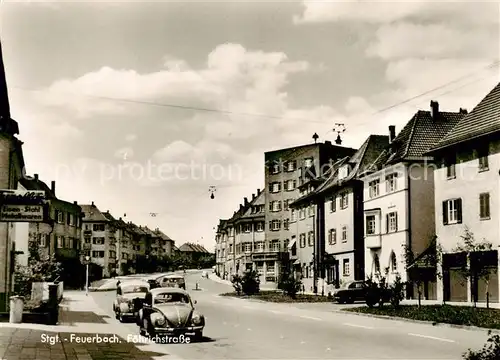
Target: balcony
(111,260)
(112,247)
(87,233)
(87,246)
(373,241)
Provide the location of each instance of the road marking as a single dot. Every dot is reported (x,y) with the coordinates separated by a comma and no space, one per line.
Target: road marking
(358,326)
(432,337)
(310,318)
(276,312)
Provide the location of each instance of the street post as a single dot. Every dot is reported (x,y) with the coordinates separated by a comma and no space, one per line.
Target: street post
(87,260)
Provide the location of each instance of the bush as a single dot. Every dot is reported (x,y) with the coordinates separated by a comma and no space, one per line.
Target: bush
(290,286)
(237,283)
(250,282)
(396,291)
(490,351)
(377,292)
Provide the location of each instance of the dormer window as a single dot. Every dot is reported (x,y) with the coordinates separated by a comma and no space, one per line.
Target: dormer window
(308,162)
(374,188)
(343,172)
(451,168)
(291,166)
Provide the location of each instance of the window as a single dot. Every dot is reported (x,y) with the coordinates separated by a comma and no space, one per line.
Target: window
(275,206)
(345,267)
(394,263)
(97,254)
(344,234)
(246,228)
(484,206)
(311,210)
(291,165)
(260,226)
(275,168)
(230,248)
(87,227)
(452,211)
(43,240)
(259,246)
(112,254)
(248,247)
(344,200)
(392,222)
(374,188)
(291,185)
(286,243)
(275,246)
(60,242)
(68,243)
(275,187)
(275,225)
(332,237)
(333,204)
(451,172)
(124,256)
(286,224)
(60,217)
(483,158)
(302,240)
(310,238)
(98,227)
(308,162)
(391,182)
(98,240)
(285,205)
(370,225)
(302,214)
(293,215)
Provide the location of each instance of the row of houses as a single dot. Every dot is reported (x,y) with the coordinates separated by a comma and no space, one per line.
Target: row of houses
(332,214)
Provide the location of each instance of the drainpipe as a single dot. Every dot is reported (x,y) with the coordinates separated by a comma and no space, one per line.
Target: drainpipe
(408,212)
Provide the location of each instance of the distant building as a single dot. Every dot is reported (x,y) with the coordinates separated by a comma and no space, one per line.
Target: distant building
(467,193)
(194,251)
(221,248)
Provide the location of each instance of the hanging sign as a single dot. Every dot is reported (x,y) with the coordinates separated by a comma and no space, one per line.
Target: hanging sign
(22,205)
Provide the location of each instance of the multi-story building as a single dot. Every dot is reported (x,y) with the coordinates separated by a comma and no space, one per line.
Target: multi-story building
(467,192)
(337,203)
(60,235)
(399,196)
(220,248)
(286,170)
(166,243)
(250,244)
(99,241)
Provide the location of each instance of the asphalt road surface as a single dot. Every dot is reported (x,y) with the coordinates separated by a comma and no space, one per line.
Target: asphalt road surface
(242,329)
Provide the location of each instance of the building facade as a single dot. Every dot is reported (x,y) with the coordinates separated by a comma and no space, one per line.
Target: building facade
(286,170)
(467,193)
(399,198)
(220,249)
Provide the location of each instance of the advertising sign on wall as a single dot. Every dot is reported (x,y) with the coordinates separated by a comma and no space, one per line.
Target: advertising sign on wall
(22,205)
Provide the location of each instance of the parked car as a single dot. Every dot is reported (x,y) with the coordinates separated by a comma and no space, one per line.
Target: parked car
(173,281)
(170,311)
(129,298)
(350,292)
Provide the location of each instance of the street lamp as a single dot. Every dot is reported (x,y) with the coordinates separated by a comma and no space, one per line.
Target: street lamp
(87,261)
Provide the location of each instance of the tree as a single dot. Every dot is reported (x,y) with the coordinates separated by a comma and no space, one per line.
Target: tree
(250,282)
(490,351)
(396,290)
(289,284)
(237,283)
(479,264)
(430,260)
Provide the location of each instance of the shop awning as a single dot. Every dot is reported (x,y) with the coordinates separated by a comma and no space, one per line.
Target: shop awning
(291,244)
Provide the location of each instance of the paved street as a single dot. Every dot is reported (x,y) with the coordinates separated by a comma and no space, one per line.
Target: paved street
(240,329)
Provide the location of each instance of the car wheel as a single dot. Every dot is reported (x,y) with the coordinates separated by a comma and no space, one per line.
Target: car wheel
(120,317)
(350,300)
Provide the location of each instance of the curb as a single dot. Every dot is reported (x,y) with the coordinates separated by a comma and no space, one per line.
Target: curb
(424,322)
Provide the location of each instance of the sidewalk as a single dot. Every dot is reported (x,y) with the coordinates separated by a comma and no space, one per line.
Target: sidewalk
(84,332)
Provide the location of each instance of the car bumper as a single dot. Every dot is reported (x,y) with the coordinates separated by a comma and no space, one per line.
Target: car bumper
(183,330)
(128,314)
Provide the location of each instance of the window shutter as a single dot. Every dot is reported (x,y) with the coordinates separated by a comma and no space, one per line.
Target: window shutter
(487,205)
(270,206)
(279,205)
(279,186)
(387,223)
(445,212)
(396,220)
(56,215)
(270,225)
(459,211)
(68,218)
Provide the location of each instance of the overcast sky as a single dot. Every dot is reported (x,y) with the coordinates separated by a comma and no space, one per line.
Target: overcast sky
(277,72)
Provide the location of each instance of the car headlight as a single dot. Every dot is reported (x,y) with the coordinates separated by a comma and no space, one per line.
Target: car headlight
(196,319)
(158,319)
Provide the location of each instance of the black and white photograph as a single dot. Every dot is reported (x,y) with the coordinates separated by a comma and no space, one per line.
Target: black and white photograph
(249,179)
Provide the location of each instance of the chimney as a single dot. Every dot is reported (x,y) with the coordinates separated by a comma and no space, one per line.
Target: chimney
(434,109)
(93,203)
(328,143)
(241,207)
(246,201)
(258,192)
(75,202)
(53,187)
(253,197)
(392,133)
(120,218)
(36,177)
(107,211)
(463,111)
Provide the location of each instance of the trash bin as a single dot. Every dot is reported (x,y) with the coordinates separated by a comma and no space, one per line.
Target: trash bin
(16,309)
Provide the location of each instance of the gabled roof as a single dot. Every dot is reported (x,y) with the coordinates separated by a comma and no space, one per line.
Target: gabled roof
(162,235)
(484,119)
(93,214)
(190,247)
(32,183)
(418,136)
(362,159)
(247,212)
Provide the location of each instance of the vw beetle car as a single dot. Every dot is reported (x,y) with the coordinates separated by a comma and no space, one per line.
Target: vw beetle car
(169,311)
(129,298)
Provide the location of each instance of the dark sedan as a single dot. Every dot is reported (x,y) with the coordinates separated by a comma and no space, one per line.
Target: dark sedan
(350,292)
